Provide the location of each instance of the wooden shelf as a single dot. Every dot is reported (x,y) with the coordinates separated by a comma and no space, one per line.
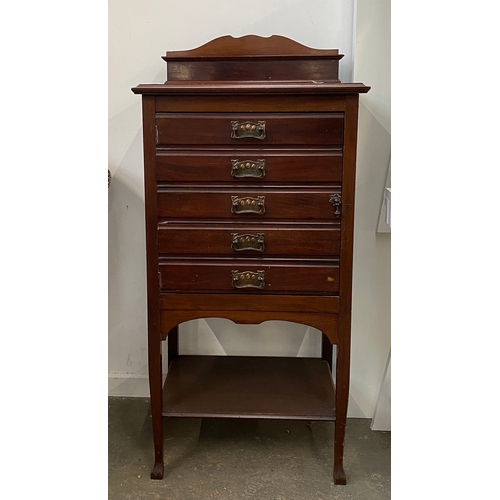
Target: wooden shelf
(249,387)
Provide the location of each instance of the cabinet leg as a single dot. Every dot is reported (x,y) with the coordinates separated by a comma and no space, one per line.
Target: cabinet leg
(157,471)
(341,400)
(339,476)
(156,390)
(173,344)
(326,350)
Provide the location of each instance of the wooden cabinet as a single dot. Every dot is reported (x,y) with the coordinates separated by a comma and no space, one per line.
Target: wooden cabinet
(249,161)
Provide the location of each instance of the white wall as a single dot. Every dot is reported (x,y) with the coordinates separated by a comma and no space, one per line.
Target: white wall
(371,270)
(139,34)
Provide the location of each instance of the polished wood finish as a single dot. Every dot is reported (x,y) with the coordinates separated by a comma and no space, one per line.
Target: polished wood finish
(285,166)
(252,46)
(217,302)
(249,387)
(280,276)
(322,240)
(305,87)
(288,129)
(297,204)
(235,97)
(282,204)
(253,58)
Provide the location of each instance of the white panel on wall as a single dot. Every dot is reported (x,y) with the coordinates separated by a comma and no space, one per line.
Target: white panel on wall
(384,218)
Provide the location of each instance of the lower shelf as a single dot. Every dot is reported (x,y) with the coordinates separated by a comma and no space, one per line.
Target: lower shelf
(249,387)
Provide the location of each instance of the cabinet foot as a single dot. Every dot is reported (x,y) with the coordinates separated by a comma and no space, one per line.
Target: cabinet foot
(157,472)
(339,476)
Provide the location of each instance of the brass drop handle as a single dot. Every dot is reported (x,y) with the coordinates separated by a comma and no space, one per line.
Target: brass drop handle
(248,168)
(248,279)
(248,205)
(336,200)
(241,242)
(255,130)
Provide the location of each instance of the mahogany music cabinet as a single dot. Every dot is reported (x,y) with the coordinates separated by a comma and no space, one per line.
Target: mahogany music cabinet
(249,172)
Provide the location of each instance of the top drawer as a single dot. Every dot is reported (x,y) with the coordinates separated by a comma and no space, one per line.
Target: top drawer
(256,129)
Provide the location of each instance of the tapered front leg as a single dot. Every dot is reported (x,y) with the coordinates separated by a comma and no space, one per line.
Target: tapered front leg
(339,476)
(341,400)
(156,391)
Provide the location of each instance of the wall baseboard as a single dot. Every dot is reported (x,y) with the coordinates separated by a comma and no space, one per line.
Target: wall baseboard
(128,385)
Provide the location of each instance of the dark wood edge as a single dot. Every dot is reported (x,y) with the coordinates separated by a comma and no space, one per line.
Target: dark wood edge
(254,103)
(288,57)
(253,416)
(348,197)
(251,46)
(148,103)
(282,303)
(259,396)
(253,87)
(326,323)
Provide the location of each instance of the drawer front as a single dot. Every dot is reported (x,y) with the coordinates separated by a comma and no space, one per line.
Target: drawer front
(248,276)
(248,166)
(248,240)
(241,205)
(257,129)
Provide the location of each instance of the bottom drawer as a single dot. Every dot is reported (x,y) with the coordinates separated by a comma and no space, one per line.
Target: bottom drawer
(226,276)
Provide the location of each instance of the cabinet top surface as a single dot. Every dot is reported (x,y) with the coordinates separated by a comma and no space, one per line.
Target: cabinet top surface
(264,87)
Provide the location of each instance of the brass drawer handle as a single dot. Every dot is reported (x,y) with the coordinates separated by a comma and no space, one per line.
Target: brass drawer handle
(248,205)
(247,242)
(248,168)
(336,200)
(248,279)
(239,130)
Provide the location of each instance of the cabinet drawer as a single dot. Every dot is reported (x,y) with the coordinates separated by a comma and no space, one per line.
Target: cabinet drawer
(250,165)
(255,128)
(249,240)
(248,276)
(241,205)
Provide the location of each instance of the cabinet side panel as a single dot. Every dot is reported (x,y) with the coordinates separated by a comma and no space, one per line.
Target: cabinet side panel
(347,228)
(149,144)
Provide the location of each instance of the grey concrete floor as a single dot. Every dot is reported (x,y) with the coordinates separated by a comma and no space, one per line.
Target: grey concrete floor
(233,459)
